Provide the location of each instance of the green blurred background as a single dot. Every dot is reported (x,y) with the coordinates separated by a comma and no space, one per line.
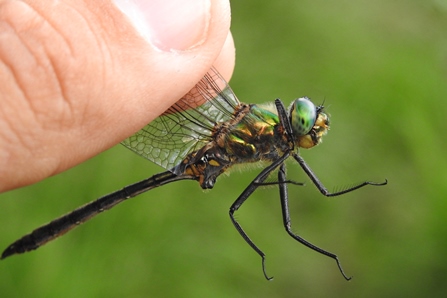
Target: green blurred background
(381,68)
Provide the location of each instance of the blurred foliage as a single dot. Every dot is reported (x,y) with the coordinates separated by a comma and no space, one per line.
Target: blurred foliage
(381,69)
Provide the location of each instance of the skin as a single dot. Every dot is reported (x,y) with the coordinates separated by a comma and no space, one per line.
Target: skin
(77,78)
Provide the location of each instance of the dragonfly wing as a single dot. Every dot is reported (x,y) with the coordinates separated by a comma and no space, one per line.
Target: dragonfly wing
(187,125)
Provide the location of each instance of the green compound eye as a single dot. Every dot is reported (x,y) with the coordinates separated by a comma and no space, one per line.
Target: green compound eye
(302,115)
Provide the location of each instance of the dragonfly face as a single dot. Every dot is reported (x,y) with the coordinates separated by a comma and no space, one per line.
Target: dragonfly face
(309,122)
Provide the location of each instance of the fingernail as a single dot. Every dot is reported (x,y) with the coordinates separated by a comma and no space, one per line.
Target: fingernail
(169,25)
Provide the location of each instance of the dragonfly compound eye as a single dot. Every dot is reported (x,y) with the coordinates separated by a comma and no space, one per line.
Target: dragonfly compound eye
(302,116)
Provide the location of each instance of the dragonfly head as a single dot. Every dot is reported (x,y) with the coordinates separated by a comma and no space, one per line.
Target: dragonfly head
(309,123)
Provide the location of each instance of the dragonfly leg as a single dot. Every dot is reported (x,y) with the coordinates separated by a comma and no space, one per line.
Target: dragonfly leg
(277,182)
(283,194)
(282,114)
(320,185)
(244,196)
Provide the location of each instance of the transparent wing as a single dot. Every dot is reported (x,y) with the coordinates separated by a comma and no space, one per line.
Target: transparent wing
(188,125)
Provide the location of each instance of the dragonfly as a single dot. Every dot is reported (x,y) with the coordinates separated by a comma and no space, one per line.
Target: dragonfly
(204,134)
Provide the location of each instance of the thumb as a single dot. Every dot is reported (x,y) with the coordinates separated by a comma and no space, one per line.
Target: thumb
(80,76)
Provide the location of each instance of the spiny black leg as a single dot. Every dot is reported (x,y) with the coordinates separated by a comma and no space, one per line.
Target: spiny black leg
(277,182)
(244,196)
(283,194)
(320,185)
(283,119)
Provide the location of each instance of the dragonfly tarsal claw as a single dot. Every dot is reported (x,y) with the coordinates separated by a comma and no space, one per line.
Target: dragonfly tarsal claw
(348,278)
(263,270)
(378,183)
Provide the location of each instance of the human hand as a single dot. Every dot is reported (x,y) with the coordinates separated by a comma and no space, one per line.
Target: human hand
(78,77)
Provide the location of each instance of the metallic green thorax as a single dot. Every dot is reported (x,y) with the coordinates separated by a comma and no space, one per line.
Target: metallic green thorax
(253,138)
(258,135)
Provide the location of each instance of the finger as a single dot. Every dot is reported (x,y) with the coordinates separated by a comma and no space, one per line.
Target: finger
(78,77)
(226,59)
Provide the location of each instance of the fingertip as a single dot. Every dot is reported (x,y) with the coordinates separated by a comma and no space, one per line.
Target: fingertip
(163,77)
(226,60)
(174,25)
